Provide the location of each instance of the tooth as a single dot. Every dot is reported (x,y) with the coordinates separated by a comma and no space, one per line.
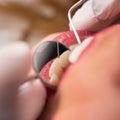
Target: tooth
(73,46)
(79,49)
(64,61)
(54,80)
(56,68)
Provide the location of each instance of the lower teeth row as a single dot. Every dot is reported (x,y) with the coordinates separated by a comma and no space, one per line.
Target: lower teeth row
(57,68)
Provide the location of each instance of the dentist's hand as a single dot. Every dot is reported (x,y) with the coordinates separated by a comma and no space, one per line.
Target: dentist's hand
(19,100)
(95,15)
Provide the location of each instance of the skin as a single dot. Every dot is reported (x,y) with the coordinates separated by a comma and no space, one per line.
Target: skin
(104,101)
(94,93)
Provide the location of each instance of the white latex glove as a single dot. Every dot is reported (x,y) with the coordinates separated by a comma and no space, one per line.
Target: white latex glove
(95,15)
(18,101)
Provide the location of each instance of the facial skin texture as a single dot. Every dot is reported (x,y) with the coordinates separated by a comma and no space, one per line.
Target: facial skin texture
(90,87)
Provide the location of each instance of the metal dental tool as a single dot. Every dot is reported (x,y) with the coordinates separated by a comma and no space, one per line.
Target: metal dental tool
(70,19)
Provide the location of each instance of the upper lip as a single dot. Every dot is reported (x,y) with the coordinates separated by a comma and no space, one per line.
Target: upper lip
(68,38)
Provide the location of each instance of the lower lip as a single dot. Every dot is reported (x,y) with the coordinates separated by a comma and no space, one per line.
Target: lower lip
(67,38)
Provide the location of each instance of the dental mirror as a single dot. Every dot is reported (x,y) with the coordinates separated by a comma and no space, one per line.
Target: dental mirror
(43,57)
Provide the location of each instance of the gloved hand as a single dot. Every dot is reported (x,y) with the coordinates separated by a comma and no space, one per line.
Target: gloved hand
(19,100)
(95,15)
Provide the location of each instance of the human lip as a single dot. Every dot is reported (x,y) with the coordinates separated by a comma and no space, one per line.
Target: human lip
(68,39)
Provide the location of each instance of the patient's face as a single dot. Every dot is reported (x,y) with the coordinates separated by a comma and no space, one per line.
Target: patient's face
(89,88)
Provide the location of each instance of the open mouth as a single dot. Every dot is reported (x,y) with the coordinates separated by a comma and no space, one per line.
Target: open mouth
(52,72)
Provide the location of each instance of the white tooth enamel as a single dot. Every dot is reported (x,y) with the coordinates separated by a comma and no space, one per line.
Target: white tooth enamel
(79,49)
(54,80)
(57,67)
(64,61)
(73,46)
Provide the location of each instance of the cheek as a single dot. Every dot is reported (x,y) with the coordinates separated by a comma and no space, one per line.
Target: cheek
(80,92)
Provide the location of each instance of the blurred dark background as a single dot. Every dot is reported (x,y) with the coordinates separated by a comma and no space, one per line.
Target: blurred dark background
(31,20)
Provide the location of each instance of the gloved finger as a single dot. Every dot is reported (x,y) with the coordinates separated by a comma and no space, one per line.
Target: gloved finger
(95,15)
(32,97)
(106,9)
(15,61)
